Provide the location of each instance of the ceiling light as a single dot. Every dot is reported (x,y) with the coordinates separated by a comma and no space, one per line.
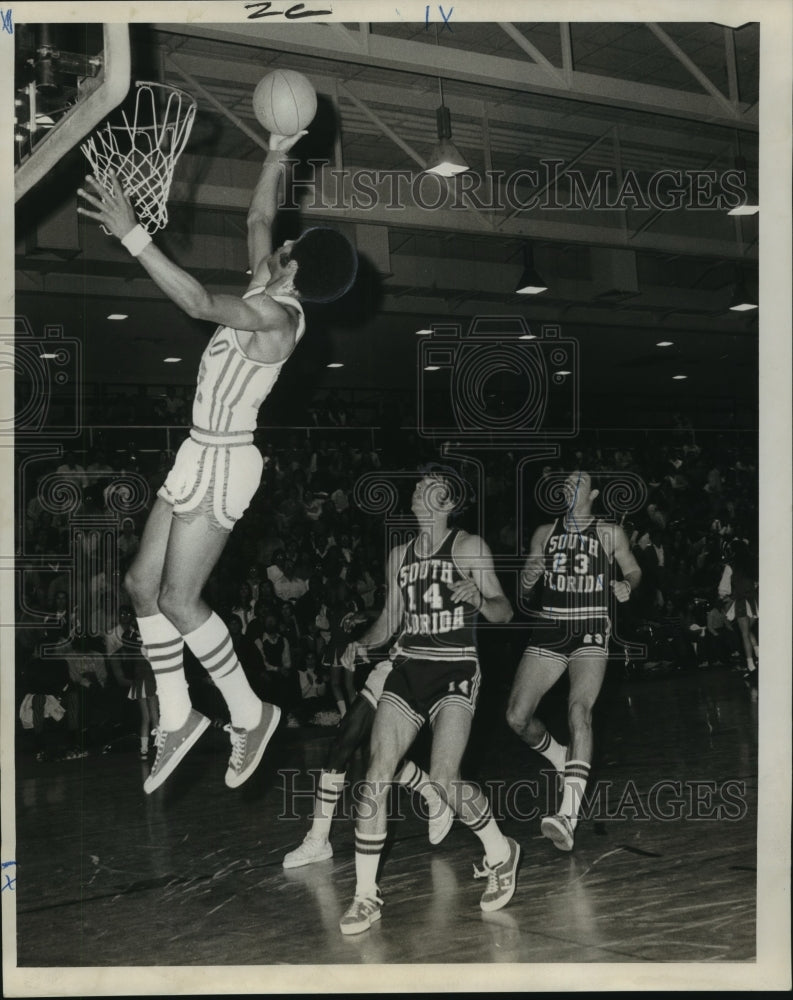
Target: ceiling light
(445,159)
(741,300)
(48,357)
(665,343)
(171,361)
(432,368)
(530,281)
(118,316)
(752,204)
(747,209)
(423,333)
(335,364)
(562,372)
(527,336)
(679,378)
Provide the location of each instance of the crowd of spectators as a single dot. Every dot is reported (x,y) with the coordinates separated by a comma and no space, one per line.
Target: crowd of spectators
(304,570)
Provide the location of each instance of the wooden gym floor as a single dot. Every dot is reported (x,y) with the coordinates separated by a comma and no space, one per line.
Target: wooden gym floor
(192,875)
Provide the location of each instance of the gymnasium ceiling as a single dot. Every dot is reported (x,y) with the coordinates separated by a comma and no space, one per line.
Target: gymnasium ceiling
(619,98)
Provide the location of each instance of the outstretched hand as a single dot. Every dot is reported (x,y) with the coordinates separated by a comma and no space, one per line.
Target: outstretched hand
(352,651)
(113,208)
(283,143)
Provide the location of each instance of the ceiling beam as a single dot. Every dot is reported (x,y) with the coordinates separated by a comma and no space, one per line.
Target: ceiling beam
(731,107)
(531,50)
(667,142)
(485,70)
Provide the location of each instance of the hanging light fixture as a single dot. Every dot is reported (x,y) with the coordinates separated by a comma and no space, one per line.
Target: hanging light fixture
(445,159)
(742,301)
(530,281)
(752,203)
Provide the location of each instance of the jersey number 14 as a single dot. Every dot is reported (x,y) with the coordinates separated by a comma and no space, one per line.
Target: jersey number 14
(431,598)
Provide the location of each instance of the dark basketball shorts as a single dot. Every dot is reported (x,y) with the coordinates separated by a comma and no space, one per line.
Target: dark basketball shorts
(419,689)
(374,684)
(565,640)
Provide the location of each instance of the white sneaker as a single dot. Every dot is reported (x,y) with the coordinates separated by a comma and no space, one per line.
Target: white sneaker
(362,913)
(559,830)
(310,850)
(440,821)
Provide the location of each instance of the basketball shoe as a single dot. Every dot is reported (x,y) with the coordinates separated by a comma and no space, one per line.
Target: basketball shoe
(172,747)
(248,745)
(559,830)
(312,849)
(440,822)
(501,879)
(363,912)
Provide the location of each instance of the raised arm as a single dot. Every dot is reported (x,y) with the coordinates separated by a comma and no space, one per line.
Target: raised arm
(481,586)
(387,622)
(264,206)
(114,210)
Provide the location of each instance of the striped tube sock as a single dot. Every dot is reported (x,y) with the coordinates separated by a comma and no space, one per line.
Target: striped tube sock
(481,822)
(331,785)
(576,775)
(211,644)
(412,777)
(164,650)
(551,750)
(368,848)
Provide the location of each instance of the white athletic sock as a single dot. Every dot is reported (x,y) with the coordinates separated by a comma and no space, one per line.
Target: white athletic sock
(552,751)
(493,840)
(412,777)
(144,744)
(331,785)
(368,848)
(164,651)
(576,775)
(212,646)
(341,704)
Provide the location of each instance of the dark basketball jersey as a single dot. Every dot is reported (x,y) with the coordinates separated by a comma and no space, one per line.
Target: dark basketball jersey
(433,626)
(576,574)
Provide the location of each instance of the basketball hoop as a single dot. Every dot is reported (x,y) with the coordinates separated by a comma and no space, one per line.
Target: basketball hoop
(143,156)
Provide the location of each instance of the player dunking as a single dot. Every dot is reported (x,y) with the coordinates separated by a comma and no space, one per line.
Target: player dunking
(437,583)
(218,468)
(573,557)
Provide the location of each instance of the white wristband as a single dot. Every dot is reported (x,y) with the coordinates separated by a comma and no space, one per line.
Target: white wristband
(136,240)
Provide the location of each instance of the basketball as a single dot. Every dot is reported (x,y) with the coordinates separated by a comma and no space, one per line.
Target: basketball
(284,102)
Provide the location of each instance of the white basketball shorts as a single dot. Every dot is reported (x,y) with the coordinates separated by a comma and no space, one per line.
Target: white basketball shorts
(215,476)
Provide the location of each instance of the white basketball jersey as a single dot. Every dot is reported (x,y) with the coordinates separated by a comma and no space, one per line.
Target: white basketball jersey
(231,386)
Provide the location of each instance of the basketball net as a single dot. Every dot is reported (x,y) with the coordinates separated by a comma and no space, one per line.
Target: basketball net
(143,153)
